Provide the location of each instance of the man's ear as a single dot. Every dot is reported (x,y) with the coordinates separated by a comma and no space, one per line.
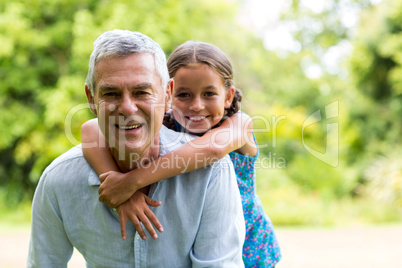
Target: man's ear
(229,96)
(168,95)
(91,100)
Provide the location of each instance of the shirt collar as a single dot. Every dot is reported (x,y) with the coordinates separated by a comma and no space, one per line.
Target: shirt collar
(93,178)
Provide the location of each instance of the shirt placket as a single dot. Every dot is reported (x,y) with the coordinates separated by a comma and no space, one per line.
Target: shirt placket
(139,252)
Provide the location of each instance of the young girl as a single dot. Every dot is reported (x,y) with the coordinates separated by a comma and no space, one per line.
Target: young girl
(203,97)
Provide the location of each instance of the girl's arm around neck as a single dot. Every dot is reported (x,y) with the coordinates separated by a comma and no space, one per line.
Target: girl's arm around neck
(234,134)
(96,149)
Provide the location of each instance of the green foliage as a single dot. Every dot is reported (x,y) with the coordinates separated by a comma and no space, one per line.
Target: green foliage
(16,216)
(376,67)
(44,51)
(288,205)
(384,178)
(316,176)
(370,102)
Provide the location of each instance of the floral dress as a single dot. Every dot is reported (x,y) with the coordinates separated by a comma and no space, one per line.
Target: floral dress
(261,248)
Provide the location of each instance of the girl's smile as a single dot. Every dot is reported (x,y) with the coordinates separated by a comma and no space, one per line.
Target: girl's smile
(199,98)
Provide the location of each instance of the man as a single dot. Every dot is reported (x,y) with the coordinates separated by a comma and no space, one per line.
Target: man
(127,88)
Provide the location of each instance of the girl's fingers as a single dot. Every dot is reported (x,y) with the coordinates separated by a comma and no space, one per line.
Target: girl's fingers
(101,199)
(105,201)
(151,202)
(138,227)
(103,176)
(151,216)
(147,224)
(140,215)
(100,190)
(123,224)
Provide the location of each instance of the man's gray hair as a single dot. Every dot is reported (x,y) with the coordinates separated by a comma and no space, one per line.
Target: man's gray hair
(122,43)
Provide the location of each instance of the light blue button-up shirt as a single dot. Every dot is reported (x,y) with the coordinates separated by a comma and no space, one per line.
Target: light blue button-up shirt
(201,214)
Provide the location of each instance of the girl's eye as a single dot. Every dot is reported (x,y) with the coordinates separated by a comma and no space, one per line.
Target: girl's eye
(210,94)
(183,95)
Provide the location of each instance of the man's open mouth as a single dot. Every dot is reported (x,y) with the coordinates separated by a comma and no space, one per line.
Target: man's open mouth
(129,127)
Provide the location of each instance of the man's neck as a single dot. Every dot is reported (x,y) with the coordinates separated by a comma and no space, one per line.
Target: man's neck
(129,160)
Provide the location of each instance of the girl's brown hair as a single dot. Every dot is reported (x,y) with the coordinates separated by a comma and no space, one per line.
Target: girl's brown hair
(192,52)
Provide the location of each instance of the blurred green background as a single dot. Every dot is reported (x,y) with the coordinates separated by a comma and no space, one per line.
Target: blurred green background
(296,67)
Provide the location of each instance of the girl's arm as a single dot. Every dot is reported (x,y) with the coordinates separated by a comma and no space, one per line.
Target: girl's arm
(234,134)
(96,149)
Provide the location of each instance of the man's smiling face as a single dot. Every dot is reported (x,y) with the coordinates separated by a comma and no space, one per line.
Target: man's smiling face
(129,101)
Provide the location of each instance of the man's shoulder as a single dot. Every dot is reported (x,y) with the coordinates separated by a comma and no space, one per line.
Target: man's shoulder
(74,153)
(70,166)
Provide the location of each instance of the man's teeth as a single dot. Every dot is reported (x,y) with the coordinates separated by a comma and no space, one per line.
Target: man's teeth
(130,127)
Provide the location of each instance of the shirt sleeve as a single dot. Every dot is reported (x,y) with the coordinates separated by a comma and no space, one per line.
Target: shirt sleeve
(49,245)
(221,233)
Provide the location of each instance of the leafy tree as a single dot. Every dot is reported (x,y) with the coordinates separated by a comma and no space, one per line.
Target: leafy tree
(44,52)
(45,47)
(376,68)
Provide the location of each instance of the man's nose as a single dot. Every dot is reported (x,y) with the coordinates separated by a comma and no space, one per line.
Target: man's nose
(197,104)
(127,106)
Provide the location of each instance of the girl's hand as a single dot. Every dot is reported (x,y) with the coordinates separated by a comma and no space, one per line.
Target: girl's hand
(115,188)
(136,209)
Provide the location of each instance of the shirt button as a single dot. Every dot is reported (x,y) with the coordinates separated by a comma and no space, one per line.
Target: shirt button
(137,236)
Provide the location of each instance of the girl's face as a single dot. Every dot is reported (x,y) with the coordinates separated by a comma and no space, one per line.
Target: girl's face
(199,98)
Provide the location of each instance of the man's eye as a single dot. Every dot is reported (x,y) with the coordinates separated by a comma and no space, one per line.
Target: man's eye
(142,92)
(110,94)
